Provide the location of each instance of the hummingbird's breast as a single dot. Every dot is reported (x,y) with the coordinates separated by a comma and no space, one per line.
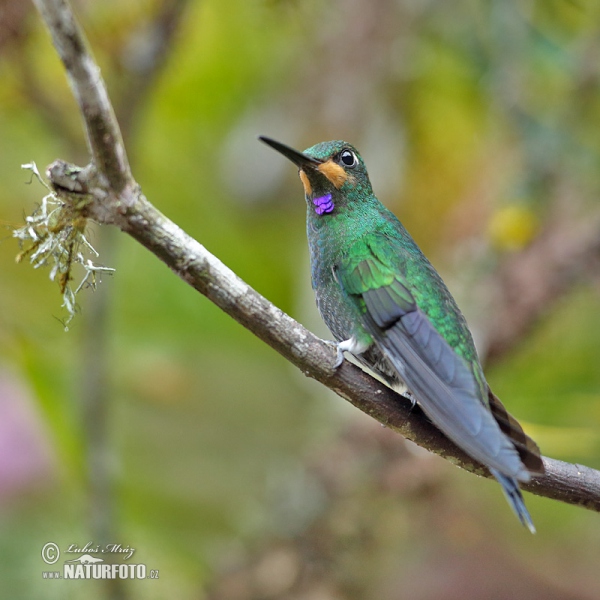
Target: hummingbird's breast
(327,246)
(341,315)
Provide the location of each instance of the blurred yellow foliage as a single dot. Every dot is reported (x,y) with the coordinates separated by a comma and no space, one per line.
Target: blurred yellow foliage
(512,227)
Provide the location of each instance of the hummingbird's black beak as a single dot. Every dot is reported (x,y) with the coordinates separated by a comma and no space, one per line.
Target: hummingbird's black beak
(300,160)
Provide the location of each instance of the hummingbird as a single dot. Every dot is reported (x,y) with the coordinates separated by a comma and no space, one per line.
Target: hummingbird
(385,304)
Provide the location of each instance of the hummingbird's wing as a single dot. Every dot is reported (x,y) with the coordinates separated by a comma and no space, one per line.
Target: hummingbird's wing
(441,379)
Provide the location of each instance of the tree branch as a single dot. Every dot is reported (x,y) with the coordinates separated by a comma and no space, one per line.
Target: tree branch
(102,129)
(112,197)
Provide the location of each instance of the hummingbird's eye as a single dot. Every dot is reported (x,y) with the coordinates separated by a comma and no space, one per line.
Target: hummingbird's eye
(348,158)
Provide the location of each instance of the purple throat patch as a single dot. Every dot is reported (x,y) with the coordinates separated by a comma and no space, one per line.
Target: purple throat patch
(323,204)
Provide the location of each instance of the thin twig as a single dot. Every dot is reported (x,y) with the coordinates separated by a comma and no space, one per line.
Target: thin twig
(103,132)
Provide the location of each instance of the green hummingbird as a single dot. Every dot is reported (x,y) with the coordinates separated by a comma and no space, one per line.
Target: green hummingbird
(385,303)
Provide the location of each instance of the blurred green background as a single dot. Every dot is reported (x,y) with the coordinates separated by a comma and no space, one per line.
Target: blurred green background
(159,423)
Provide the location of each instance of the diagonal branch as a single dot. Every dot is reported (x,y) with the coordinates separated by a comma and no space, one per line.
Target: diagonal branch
(113,197)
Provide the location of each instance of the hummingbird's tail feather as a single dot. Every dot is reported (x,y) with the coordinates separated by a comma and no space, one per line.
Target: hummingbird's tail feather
(513,494)
(528,450)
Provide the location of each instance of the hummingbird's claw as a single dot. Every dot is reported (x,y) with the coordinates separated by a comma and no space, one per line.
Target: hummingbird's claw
(410,396)
(340,353)
(340,357)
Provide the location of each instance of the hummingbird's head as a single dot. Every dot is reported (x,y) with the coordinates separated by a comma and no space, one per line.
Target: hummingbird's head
(332,173)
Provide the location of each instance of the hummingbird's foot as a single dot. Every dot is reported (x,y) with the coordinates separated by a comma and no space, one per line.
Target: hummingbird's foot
(353,346)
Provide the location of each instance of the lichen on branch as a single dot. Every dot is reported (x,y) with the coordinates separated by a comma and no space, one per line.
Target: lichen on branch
(54,236)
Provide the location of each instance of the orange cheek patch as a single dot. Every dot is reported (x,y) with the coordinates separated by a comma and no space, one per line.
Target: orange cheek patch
(305,182)
(334,173)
